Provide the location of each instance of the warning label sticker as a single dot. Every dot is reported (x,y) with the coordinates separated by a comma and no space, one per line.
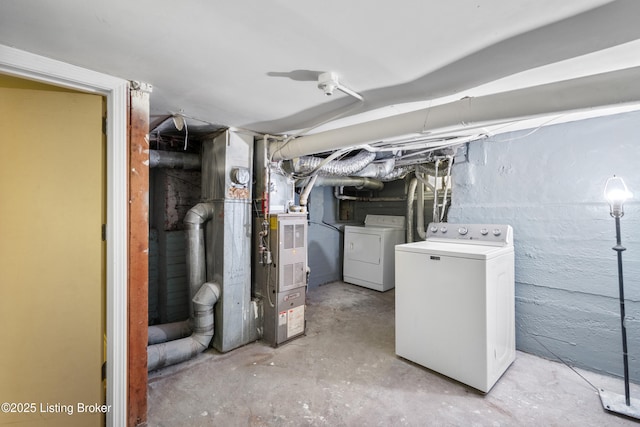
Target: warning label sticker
(296,321)
(282,318)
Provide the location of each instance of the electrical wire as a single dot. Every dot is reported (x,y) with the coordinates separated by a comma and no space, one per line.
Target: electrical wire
(326,224)
(186,135)
(534,130)
(563,361)
(447,184)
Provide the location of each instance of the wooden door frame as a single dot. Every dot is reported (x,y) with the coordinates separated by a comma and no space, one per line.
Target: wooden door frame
(116,91)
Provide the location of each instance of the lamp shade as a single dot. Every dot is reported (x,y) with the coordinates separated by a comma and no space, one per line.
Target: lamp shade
(616,193)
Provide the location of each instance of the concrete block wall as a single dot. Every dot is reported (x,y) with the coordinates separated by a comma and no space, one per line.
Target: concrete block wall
(548,184)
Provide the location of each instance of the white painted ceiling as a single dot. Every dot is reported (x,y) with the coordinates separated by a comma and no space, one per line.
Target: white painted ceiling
(254,64)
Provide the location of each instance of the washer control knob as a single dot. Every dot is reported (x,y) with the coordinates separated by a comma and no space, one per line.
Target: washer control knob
(434,228)
(463,230)
(484,231)
(497,232)
(443,229)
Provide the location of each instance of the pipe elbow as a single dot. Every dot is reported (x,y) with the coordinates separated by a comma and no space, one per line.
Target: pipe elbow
(208,294)
(199,214)
(370,184)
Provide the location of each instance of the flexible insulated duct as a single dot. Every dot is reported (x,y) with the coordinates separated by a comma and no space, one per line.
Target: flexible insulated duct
(398,173)
(172,352)
(601,90)
(377,170)
(349,166)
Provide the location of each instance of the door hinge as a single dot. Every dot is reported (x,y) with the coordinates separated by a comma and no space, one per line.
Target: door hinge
(104,125)
(104,371)
(104,232)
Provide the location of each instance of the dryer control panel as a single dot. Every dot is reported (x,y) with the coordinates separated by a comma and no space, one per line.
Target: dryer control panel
(484,234)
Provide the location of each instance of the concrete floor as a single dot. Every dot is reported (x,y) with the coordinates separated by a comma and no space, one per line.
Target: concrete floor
(344,372)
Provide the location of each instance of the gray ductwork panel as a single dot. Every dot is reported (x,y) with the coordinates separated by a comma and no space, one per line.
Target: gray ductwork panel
(227,166)
(229,255)
(601,90)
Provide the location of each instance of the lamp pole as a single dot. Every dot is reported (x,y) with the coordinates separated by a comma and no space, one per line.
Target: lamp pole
(619,249)
(616,193)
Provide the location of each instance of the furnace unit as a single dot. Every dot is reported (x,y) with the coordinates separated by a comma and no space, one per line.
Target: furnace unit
(280,275)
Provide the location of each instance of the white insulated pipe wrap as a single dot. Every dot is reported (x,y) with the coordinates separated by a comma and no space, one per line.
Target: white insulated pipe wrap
(601,90)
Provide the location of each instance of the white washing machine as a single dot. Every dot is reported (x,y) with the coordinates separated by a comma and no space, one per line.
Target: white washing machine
(369,251)
(455,307)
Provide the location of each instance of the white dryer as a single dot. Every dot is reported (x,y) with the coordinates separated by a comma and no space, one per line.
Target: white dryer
(455,308)
(369,251)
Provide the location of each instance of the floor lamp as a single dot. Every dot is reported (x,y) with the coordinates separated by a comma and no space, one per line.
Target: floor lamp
(616,193)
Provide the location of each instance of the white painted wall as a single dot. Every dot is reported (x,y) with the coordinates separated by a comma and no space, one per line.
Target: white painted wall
(548,184)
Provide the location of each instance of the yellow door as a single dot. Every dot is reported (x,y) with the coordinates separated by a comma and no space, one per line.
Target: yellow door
(52,278)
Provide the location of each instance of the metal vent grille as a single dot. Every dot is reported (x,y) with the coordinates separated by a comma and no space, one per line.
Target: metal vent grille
(287,272)
(288,237)
(299,236)
(299,273)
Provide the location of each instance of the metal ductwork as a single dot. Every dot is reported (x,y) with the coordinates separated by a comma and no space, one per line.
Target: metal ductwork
(398,173)
(203,295)
(319,165)
(601,90)
(195,221)
(173,160)
(227,178)
(168,332)
(218,258)
(172,352)
(377,170)
(361,183)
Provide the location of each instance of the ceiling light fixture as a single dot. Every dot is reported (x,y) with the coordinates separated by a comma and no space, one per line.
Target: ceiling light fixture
(328,82)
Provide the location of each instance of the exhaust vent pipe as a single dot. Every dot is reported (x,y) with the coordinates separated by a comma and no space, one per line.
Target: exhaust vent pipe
(172,352)
(204,297)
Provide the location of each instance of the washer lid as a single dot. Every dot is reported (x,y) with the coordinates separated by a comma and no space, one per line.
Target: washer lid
(457,250)
(387,221)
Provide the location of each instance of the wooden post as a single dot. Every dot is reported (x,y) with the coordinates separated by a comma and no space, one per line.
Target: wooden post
(138,254)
